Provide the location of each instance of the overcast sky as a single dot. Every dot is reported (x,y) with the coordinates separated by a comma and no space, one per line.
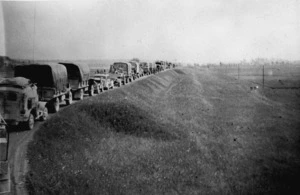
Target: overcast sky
(182,30)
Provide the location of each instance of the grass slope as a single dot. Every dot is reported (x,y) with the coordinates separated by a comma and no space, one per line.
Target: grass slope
(183,131)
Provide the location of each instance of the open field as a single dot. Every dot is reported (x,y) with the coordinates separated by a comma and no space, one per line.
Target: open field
(182,131)
(274,76)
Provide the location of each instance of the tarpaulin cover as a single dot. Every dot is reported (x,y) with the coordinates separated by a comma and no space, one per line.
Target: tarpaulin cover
(44,75)
(121,67)
(77,71)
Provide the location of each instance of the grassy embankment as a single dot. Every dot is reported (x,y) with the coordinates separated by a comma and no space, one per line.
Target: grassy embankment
(186,131)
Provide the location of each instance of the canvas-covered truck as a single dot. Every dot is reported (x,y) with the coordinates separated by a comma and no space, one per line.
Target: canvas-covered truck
(78,78)
(145,66)
(51,80)
(4,166)
(121,72)
(19,102)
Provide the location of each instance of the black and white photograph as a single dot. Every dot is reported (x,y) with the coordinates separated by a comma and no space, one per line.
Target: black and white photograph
(149,97)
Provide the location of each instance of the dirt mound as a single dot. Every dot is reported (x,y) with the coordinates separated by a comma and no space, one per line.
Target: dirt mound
(125,117)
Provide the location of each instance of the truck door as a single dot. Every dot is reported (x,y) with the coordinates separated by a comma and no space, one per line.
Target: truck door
(9,105)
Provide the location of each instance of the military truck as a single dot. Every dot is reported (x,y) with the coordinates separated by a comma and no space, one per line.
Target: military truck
(160,65)
(121,72)
(107,82)
(152,68)
(78,78)
(19,102)
(51,80)
(4,166)
(136,70)
(145,66)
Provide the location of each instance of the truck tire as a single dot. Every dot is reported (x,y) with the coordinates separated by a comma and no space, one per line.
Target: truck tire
(53,106)
(70,98)
(44,114)
(56,105)
(98,90)
(29,124)
(91,92)
(81,94)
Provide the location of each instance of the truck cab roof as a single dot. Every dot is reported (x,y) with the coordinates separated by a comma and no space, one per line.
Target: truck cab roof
(19,82)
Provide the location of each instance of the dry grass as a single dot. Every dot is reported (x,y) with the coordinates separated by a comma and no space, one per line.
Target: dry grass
(182,131)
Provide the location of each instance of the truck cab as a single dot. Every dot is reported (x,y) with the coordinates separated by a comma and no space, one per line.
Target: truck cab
(105,79)
(19,102)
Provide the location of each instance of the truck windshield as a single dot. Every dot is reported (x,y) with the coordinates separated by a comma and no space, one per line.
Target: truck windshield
(120,65)
(101,77)
(8,95)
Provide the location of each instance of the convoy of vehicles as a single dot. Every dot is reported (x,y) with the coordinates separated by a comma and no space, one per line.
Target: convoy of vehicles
(40,87)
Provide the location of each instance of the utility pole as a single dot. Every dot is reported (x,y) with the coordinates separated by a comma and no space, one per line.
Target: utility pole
(263,76)
(238,71)
(33,40)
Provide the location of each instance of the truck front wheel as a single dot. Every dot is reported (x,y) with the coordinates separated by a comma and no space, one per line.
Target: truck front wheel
(91,92)
(81,94)
(70,98)
(29,124)
(53,106)
(44,114)
(98,90)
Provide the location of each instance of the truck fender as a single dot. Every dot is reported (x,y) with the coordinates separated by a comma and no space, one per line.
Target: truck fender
(42,105)
(42,111)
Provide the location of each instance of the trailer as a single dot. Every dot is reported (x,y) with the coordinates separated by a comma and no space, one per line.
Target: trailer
(121,72)
(78,78)
(19,102)
(51,80)
(5,182)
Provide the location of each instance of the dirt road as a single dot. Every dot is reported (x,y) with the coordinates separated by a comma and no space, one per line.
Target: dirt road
(17,158)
